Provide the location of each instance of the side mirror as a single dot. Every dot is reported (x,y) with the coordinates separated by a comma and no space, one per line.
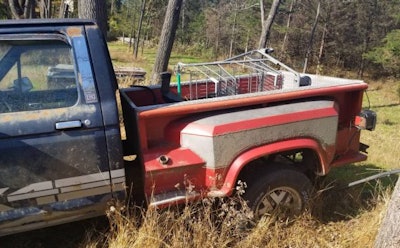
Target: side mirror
(23,84)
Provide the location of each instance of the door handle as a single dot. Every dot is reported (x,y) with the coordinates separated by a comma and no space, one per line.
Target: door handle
(68,125)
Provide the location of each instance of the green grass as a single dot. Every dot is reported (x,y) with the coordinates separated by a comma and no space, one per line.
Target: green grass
(122,55)
(385,140)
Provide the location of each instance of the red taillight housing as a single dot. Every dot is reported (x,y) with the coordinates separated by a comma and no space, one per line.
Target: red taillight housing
(366,120)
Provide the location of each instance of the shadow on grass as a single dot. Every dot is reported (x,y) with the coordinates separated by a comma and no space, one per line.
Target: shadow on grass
(69,235)
(335,201)
(385,105)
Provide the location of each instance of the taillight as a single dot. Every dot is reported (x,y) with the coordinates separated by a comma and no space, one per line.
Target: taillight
(366,120)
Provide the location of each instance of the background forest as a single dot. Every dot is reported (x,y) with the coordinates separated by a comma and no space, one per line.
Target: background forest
(362,36)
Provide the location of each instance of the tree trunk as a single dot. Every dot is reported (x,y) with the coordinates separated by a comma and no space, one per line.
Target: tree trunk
(367,37)
(327,20)
(247,41)
(63,10)
(16,10)
(45,7)
(167,39)
(131,34)
(285,38)
(233,35)
(321,48)
(217,36)
(139,28)
(29,10)
(310,43)
(112,7)
(183,36)
(24,9)
(95,10)
(146,35)
(42,9)
(267,24)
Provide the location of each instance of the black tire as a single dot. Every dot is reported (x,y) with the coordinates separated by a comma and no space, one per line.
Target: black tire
(282,191)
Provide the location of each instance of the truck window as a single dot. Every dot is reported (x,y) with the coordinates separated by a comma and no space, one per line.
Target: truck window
(36,74)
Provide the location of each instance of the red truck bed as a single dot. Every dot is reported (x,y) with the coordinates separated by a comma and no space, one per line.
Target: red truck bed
(154,119)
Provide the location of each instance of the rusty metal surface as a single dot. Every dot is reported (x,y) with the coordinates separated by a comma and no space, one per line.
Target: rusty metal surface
(74,31)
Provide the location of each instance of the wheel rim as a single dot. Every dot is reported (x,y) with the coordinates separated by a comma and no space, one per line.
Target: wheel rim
(284,201)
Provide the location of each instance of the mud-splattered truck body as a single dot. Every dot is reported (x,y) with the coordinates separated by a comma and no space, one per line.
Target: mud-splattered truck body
(62,157)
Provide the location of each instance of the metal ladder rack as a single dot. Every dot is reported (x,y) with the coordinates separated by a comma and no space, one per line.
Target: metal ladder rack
(250,72)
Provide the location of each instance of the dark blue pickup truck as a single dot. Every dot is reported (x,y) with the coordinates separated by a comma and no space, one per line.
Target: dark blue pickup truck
(57,129)
(63,158)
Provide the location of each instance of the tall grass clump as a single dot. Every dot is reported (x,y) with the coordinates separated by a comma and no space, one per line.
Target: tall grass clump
(337,218)
(208,223)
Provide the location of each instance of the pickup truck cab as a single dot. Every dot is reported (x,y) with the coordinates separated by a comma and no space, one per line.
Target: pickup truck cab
(62,157)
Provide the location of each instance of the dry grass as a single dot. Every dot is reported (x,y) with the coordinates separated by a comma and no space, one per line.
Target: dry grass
(211,224)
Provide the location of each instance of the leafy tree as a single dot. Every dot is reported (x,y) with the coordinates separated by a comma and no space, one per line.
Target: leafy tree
(346,34)
(114,6)
(155,13)
(230,26)
(216,28)
(387,55)
(4,11)
(343,32)
(191,23)
(124,19)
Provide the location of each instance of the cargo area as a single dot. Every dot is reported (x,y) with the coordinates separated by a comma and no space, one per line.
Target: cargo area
(247,75)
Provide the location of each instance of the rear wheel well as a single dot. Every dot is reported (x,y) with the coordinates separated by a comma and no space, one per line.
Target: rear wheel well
(304,160)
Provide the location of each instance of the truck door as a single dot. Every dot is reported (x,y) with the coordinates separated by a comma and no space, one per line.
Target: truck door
(53,157)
